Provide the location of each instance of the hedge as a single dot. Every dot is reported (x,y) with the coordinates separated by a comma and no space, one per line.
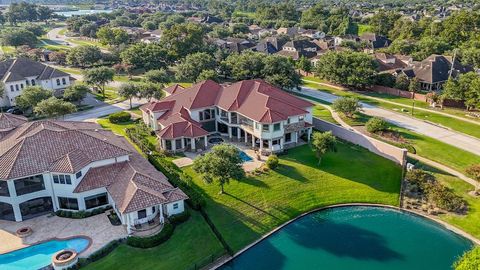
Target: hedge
(99,254)
(82,214)
(162,236)
(119,117)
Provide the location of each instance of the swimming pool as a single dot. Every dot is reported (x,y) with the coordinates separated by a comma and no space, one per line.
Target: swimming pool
(40,255)
(356,237)
(244,156)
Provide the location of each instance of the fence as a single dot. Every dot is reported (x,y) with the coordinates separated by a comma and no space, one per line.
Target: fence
(206,261)
(385,150)
(397,92)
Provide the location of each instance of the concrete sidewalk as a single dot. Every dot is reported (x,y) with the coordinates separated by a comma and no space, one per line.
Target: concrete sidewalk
(93,114)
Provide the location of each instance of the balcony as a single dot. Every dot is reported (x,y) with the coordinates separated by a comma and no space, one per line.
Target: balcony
(294,127)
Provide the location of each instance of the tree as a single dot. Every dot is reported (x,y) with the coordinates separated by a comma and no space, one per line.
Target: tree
(128,90)
(31,96)
(159,76)
(191,67)
(99,77)
(60,58)
(36,29)
(323,143)
(220,165)
(348,68)
(469,261)
(54,107)
(76,93)
(280,71)
(376,124)
(146,56)
(428,46)
(466,87)
(304,64)
(18,37)
(112,36)
(84,55)
(89,30)
(2,90)
(347,106)
(383,22)
(208,74)
(402,82)
(474,172)
(244,66)
(150,90)
(183,39)
(414,85)
(44,13)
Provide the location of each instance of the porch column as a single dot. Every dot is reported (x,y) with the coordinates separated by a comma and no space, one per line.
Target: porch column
(229,131)
(174,145)
(183,143)
(296,136)
(281,143)
(17,212)
(239,131)
(246,138)
(129,225)
(192,144)
(253,141)
(309,133)
(270,145)
(162,219)
(206,142)
(163,144)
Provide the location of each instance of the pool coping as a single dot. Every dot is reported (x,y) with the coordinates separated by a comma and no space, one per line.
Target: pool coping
(90,242)
(442,223)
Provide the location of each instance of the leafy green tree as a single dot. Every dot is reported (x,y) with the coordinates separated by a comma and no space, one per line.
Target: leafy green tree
(89,30)
(460,27)
(469,261)
(474,172)
(129,90)
(220,165)
(31,96)
(428,46)
(146,56)
(466,87)
(54,107)
(207,74)
(159,76)
(323,143)
(18,37)
(304,64)
(44,13)
(383,22)
(36,29)
(84,56)
(472,97)
(348,68)
(280,71)
(76,93)
(401,46)
(99,77)
(190,68)
(402,82)
(150,90)
(347,105)
(414,85)
(376,124)
(247,65)
(405,29)
(112,36)
(183,39)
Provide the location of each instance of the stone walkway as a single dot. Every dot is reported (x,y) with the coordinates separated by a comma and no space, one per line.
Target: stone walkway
(98,228)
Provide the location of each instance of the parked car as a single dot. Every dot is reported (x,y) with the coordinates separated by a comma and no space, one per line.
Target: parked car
(15,110)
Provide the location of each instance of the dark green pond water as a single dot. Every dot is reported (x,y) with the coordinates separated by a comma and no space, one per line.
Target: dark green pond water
(356,238)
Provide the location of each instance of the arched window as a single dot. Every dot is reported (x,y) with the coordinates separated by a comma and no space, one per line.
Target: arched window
(58,81)
(33,82)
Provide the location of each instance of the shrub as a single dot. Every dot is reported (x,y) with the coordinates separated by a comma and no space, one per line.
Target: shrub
(444,198)
(82,214)
(469,261)
(152,241)
(179,218)
(474,172)
(119,117)
(272,162)
(376,124)
(419,177)
(346,105)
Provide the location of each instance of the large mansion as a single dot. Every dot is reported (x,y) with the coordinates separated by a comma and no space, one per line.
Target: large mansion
(251,111)
(76,166)
(17,74)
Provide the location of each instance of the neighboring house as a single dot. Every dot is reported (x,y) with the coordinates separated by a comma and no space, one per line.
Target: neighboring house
(434,71)
(338,40)
(234,45)
(289,31)
(314,34)
(391,63)
(375,41)
(298,48)
(17,74)
(152,36)
(256,32)
(251,111)
(77,166)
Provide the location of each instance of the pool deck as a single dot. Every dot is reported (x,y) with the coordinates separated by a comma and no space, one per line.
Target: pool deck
(98,228)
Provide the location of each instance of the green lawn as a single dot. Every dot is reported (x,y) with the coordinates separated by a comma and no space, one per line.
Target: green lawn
(52,45)
(256,205)
(192,242)
(323,113)
(71,70)
(446,121)
(362,28)
(7,49)
(83,42)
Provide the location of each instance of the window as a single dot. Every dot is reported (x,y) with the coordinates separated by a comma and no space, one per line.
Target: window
(11,88)
(4,189)
(58,81)
(33,82)
(64,81)
(178,144)
(265,128)
(68,180)
(276,127)
(153,209)
(29,184)
(256,125)
(142,214)
(200,116)
(55,179)
(27,82)
(78,174)
(68,203)
(62,179)
(300,118)
(288,120)
(96,200)
(175,206)
(288,137)
(16,87)
(21,85)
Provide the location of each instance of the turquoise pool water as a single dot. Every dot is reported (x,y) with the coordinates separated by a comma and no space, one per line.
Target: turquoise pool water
(40,255)
(356,238)
(245,157)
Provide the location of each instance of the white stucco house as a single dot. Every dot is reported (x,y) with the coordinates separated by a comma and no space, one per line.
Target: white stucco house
(251,111)
(76,166)
(17,74)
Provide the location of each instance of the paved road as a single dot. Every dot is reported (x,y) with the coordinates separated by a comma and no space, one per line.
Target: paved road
(55,35)
(453,138)
(93,114)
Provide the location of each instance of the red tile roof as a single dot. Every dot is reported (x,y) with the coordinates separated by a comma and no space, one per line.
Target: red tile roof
(173,88)
(10,121)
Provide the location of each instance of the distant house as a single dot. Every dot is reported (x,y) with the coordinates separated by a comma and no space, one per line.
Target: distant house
(210,19)
(234,45)
(289,31)
(17,74)
(298,48)
(338,40)
(251,111)
(434,71)
(375,41)
(152,36)
(313,34)
(269,45)
(391,63)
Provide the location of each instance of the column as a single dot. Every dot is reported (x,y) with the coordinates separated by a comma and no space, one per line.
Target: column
(253,141)
(183,143)
(16,212)
(296,136)
(281,143)
(174,145)
(238,134)
(229,130)
(270,145)
(161,214)
(246,138)
(309,133)
(192,143)
(206,141)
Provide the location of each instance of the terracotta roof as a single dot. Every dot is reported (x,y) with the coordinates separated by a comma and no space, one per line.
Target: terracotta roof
(64,147)
(10,121)
(133,184)
(173,88)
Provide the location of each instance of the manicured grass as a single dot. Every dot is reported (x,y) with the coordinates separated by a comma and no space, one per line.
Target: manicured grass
(469,222)
(446,121)
(52,45)
(71,70)
(192,242)
(323,113)
(362,28)
(83,42)
(7,49)
(256,205)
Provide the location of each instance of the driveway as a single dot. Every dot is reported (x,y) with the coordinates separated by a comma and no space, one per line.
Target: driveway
(453,138)
(93,114)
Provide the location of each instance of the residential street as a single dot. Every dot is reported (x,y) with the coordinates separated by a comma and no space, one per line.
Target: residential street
(456,139)
(93,114)
(55,35)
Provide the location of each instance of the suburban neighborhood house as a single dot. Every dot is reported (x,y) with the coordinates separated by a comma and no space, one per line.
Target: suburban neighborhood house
(251,111)
(49,165)
(17,74)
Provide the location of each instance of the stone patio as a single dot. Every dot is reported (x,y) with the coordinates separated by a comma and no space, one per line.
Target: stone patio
(98,228)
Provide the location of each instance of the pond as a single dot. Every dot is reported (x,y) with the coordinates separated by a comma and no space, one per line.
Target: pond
(356,237)
(40,255)
(82,12)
